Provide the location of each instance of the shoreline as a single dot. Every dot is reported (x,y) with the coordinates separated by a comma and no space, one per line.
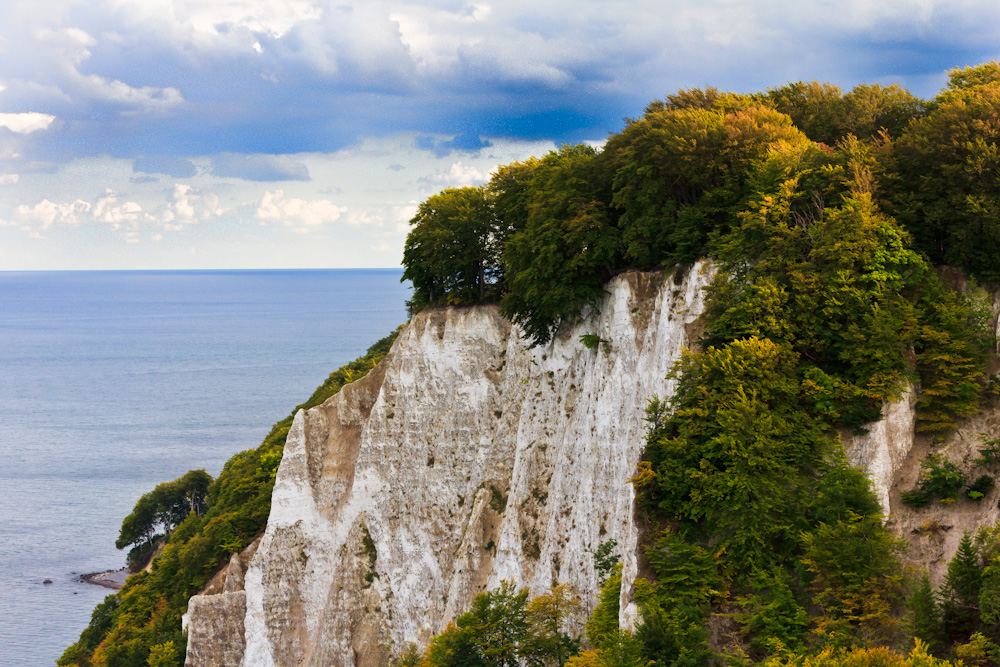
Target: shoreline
(113,579)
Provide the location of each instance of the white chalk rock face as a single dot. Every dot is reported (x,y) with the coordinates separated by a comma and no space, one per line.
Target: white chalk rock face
(465,458)
(883,449)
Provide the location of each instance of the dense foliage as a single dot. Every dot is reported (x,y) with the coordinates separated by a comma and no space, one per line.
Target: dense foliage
(141,624)
(826,214)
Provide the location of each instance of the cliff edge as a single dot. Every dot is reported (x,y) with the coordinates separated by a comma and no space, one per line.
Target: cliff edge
(463,459)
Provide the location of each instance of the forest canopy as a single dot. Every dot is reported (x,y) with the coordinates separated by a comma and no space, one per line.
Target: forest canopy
(830,218)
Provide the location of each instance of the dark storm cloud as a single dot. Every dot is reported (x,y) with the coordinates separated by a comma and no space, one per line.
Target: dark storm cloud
(188,78)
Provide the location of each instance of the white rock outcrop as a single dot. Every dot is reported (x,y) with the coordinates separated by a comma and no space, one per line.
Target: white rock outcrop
(465,458)
(885,446)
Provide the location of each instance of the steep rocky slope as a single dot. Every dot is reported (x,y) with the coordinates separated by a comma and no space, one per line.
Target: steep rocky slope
(466,458)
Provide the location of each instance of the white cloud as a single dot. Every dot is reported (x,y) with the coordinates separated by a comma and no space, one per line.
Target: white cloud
(363,219)
(26,123)
(46,213)
(297,213)
(457,175)
(275,17)
(9,179)
(187,205)
(68,48)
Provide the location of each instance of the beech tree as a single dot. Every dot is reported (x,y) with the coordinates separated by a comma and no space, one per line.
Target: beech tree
(946,170)
(452,254)
(559,262)
(167,505)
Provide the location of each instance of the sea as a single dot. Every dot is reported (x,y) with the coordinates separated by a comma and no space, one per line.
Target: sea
(114,381)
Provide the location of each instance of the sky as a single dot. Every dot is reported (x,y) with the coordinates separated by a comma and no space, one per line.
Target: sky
(223,134)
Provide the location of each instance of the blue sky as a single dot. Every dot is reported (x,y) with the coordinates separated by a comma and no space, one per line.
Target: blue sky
(294,133)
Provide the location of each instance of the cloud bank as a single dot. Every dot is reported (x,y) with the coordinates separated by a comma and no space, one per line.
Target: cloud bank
(260,77)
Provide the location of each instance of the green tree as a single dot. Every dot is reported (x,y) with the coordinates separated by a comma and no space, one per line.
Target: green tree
(140,525)
(856,579)
(452,254)
(739,456)
(547,643)
(510,191)
(559,262)
(194,485)
(772,618)
(924,620)
(946,172)
(602,626)
(681,173)
(952,345)
(989,600)
(868,109)
(814,107)
(960,593)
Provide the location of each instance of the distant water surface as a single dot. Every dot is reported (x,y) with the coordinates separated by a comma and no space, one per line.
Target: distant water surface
(111,382)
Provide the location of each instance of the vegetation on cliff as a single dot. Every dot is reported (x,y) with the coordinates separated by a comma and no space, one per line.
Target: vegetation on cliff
(826,215)
(141,624)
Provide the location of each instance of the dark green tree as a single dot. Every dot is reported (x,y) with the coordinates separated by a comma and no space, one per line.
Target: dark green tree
(814,107)
(140,525)
(194,485)
(924,621)
(960,593)
(952,345)
(989,600)
(452,254)
(681,172)
(739,457)
(490,634)
(856,579)
(510,191)
(559,262)
(946,176)
(871,108)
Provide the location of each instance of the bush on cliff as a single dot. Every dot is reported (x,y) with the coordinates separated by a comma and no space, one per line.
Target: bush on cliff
(141,623)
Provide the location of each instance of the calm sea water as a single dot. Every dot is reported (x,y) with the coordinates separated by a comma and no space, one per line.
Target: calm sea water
(111,382)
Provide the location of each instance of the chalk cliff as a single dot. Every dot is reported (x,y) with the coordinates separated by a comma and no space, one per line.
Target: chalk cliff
(466,458)
(463,459)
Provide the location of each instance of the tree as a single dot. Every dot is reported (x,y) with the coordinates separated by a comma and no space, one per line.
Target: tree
(491,634)
(925,616)
(602,626)
(194,486)
(960,593)
(871,108)
(856,580)
(740,454)
(946,176)
(989,600)
(547,643)
(140,524)
(559,262)
(952,345)
(452,254)
(681,172)
(167,505)
(510,192)
(814,108)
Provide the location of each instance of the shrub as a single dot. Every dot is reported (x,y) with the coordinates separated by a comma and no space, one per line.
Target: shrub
(940,478)
(978,489)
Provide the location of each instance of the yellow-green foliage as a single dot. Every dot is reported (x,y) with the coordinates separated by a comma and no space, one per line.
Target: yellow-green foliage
(504,629)
(864,657)
(142,622)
